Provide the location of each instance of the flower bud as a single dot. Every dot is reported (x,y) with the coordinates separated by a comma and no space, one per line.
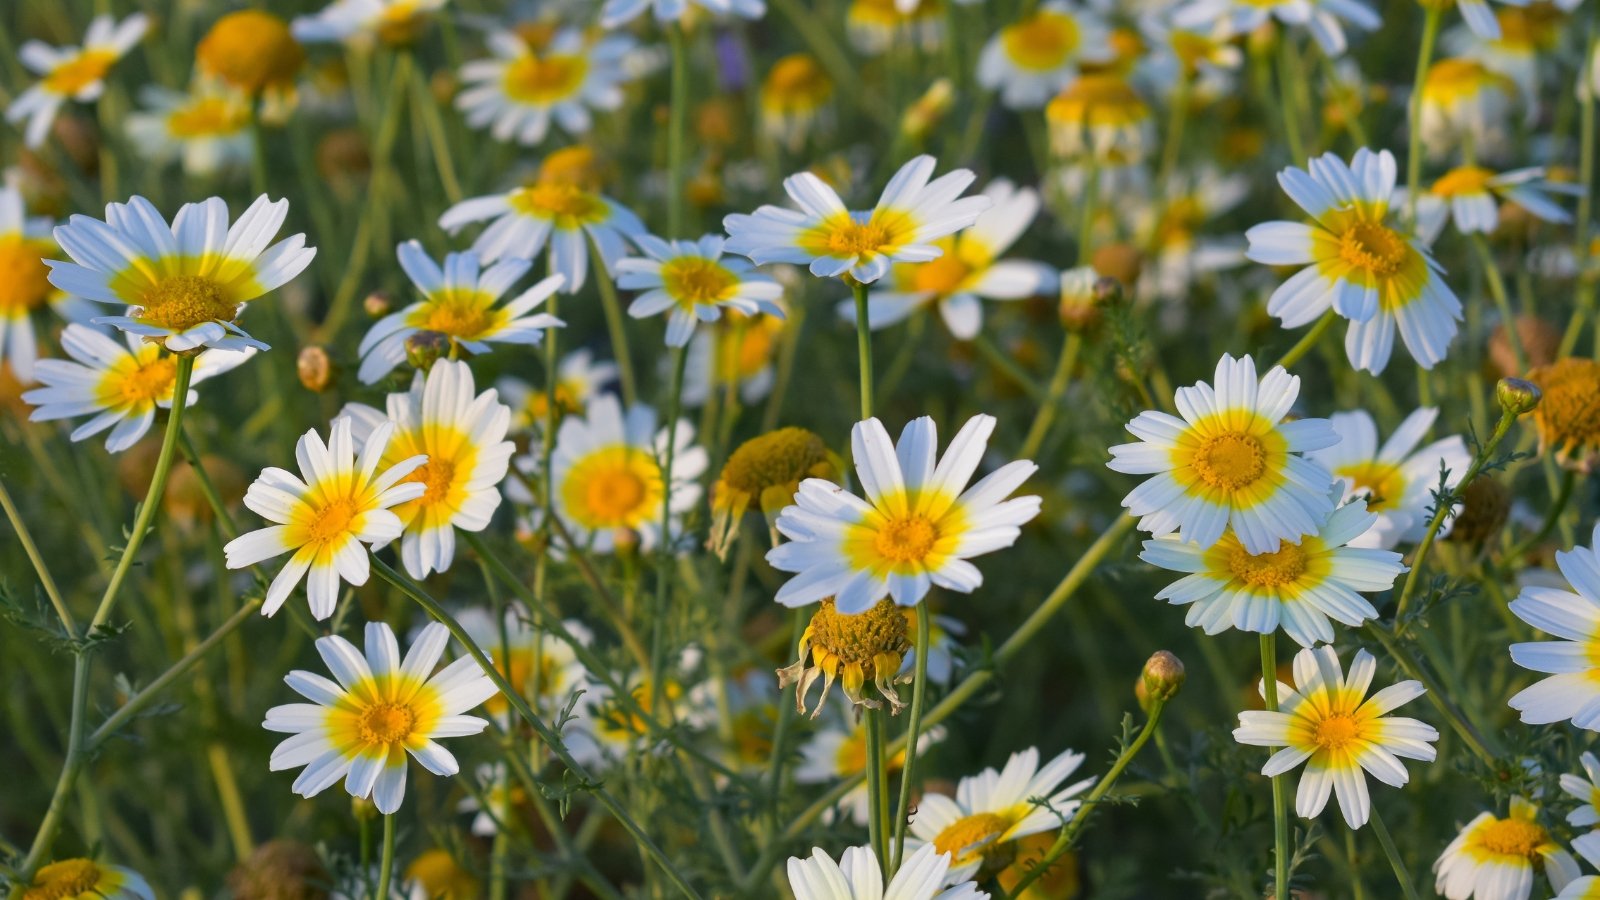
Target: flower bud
(1163,675)
(424,348)
(1079,307)
(315,368)
(1517,396)
(377,304)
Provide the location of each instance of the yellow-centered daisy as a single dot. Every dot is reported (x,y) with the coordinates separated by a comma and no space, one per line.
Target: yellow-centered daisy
(693,282)
(342,503)
(917,527)
(361,22)
(1572,662)
(208,129)
(859,876)
(522,88)
(462,433)
(361,727)
(85,879)
(1495,859)
(24,280)
(186,282)
(1030,60)
(71,73)
(1231,461)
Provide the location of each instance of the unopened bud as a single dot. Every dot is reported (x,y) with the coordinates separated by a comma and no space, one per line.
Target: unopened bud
(315,368)
(1080,307)
(1517,396)
(424,348)
(1162,677)
(377,304)
(1119,260)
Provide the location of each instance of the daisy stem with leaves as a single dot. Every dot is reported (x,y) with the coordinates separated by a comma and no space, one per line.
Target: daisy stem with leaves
(76,743)
(1280,809)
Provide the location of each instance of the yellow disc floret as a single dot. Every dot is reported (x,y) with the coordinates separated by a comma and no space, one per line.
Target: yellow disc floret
(252,50)
(851,649)
(63,880)
(182,302)
(24,278)
(1568,417)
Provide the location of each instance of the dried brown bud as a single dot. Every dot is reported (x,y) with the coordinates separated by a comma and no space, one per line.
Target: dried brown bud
(424,348)
(315,368)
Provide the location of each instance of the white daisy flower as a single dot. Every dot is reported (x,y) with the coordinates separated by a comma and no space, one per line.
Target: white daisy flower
(1465,102)
(188,281)
(912,213)
(81,878)
(1297,586)
(1231,460)
(382,708)
(858,876)
(969,269)
(1584,788)
(620,12)
(24,244)
(564,215)
(462,433)
(1177,229)
(1585,888)
(578,380)
(458,301)
(1367,271)
(1202,54)
(1494,858)
(740,352)
(695,282)
(207,129)
(1100,119)
(992,809)
(1327,722)
(608,481)
(838,751)
(521,88)
(360,22)
(1573,617)
(917,527)
(71,73)
(1324,18)
(1481,19)
(1471,196)
(122,384)
(1028,61)
(1397,480)
(343,502)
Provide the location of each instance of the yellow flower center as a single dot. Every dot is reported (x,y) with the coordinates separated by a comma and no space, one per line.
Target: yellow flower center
(1456,79)
(906,539)
(79,72)
(776,458)
(1281,567)
(1336,732)
(207,116)
(400,23)
(1512,837)
(1462,180)
(578,166)
(1373,247)
(977,834)
(331,521)
(616,487)
(65,879)
(251,50)
(695,280)
(537,79)
(463,313)
(24,278)
(438,476)
(442,878)
(567,204)
(181,302)
(853,239)
(148,382)
(796,81)
(862,638)
(1097,99)
(1191,48)
(1041,42)
(386,723)
(1230,461)
(1381,482)
(942,276)
(1568,417)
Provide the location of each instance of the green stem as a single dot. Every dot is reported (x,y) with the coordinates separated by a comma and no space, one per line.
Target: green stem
(877,759)
(1569,480)
(1065,363)
(677,130)
(1464,728)
(1502,300)
(1308,340)
(1430,33)
(1007,367)
(1280,812)
(208,488)
(32,550)
(438,141)
(615,326)
(919,686)
(386,858)
(1288,109)
(664,554)
(1387,842)
(258,150)
(863,348)
(1069,832)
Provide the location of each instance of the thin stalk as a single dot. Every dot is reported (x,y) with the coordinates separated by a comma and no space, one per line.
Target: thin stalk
(32,550)
(1065,363)
(1177,118)
(677,129)
(614,325)
(1308,340)
(1502,300)
(208,489)
(919,690)
(863,348)
(1393,853)
(258,149)
(877,775)
(1464,728)
(680,361)
(1569,480)
(438,141)
(1280,813)
(386,859)
(1287,107)
(1433,13)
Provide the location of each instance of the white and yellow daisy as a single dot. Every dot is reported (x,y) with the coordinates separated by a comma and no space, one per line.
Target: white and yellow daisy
(342,503)
(382,708)
(521,88)
(540,665)
(1100,116)
(24,280)
(621,12)
(796,96)
(1529,36)
(208,129)
(993,809)
(1028,61)
(1470,196)
(1397,480)
(970,269)
(361,22)
(461,302)
(859,876)
(71,73)
(1464,101)
(1327,722)
(1176,229)
(693,282)
(1586,790)
(1573,617)
(1585,888)
(917,527)
(838,751)
(564,215)
(85,879)
(874,26)
(1204,55)
(1323,18)
(122,384)
(739,350)
(578,380)
(912,213)
(1378,277)
(608,481)
(1494,858)
(1481,19)
(186,282)
(1231,460)
(462,433)
(1298,587)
